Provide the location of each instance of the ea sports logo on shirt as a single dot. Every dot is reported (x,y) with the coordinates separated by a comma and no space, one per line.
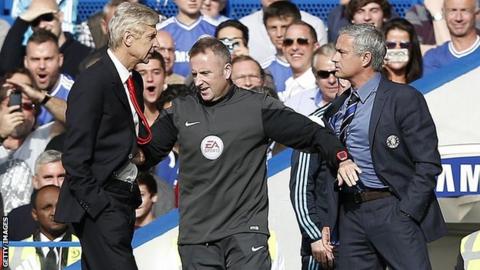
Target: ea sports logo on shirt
(212,147)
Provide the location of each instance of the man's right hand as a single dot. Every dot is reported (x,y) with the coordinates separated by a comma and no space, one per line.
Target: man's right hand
(348,173)
(9,120)
(327,257)
(322,255)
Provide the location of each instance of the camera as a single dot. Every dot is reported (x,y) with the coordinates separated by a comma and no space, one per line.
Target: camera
(15,98)
(397,55)
(231,44)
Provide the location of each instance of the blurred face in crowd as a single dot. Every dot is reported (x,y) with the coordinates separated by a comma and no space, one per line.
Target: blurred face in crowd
(211,75)
(325,77)
(246,74)
(43,213)
(148,200)
(276,28)
(298,47)
(50,21)
(51,173)
(348,64)
(371,13)
(28,109)
(460,16)
(166,47)
(189,7)
(43,60)
(235,35)
(212,8)
(153,80)
(397,39)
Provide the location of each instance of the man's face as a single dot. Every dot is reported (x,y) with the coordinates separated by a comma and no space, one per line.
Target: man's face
(211,75)
(28,109)
(143,44)
(148,200)
(49,174)
(189,7)
(276,28)
(348,64)
(246,74)
(51,22)
(153,80)
(44,212)
(325,78)
(371,13)
(298,47)
(166,47)
(460,16)
(212,8)
(43,60)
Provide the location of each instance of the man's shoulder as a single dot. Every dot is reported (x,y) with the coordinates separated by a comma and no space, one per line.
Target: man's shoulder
(314,21)
(166,23)
(251,20)
(437,51)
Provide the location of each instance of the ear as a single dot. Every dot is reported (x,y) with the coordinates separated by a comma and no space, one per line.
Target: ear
(25,59)
(60,60)
(104,26)
(35,182)
(154,198)
(34,214)
(366,59)
(316,45)
(227,71)
(60,16)
(128,38)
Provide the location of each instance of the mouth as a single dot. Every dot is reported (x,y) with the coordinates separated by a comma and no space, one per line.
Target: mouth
(151,89)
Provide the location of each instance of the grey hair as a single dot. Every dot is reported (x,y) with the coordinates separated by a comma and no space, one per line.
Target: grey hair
(46,157)
(367,39)
(327,50)
(131,17)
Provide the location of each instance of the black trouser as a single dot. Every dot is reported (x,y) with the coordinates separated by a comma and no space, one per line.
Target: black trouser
(243,251)
(375,234)
(106,240)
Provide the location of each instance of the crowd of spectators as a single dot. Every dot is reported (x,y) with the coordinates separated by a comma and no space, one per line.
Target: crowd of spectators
(274,50)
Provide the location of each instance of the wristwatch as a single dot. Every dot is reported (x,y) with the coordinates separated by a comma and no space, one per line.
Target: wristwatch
(45,99)
(438,16)
(342,155)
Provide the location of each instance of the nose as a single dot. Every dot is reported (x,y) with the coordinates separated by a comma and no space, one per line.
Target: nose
(248,81)
(56,181)
(155,44)
(42,64)
(332,79)
(367,16)
(335,57)
(149,77)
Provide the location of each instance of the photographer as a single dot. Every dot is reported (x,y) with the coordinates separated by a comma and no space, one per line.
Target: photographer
(21,142)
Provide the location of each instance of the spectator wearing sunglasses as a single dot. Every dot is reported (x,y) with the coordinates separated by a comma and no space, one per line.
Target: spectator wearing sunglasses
(277,17)
(327,85)
(298,45)
(309,180)
(403,62)
(21,143)
(41,14)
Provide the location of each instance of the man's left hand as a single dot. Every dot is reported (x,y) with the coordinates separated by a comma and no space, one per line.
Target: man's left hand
(348,173)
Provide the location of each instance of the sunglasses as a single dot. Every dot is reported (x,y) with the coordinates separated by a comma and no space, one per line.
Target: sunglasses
(393,45)
(28,106)
(43,18)
(300,41)
(325,74)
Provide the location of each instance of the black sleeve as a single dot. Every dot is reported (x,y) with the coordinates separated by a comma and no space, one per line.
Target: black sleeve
(303,194)
(292,129)
(164,136)
(12,52)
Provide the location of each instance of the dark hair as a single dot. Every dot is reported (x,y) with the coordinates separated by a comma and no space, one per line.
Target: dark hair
(312,31)
(243,58)
(157,56)
(8,75)
(147,179)
(414,69)
(208,43)
(36,192)
(235,24)
(40,36)
(173,91)
(354,5)
(281,9)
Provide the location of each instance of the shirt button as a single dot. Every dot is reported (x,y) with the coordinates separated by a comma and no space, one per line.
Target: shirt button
(130,156)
